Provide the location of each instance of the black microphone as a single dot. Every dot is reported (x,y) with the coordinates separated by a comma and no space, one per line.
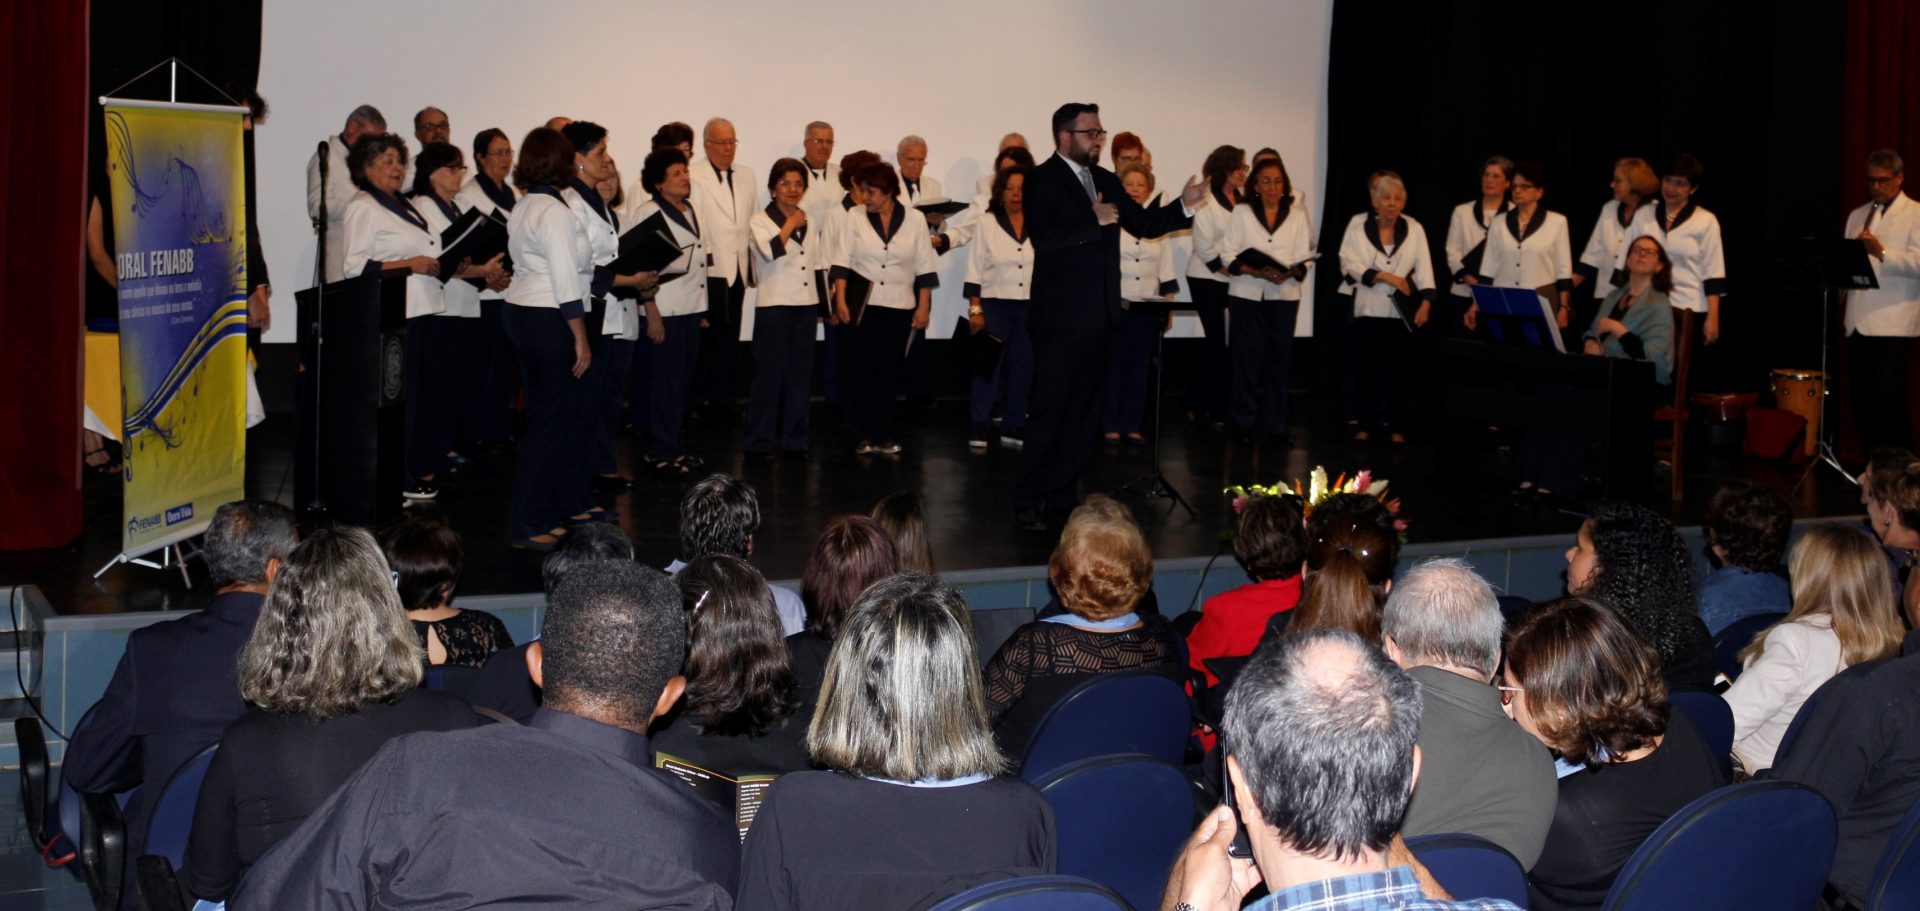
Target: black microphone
(325,154)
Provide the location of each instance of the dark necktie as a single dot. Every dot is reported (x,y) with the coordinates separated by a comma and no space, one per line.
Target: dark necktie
(1086,180)
(1872,210)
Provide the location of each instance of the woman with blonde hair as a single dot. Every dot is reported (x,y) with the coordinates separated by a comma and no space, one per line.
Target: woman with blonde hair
(1843,615)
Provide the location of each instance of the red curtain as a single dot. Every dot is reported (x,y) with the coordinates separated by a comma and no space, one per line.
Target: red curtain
(1882,90)
(43,101)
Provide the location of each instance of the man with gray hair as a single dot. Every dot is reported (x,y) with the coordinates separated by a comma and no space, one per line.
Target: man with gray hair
(1319,736)
(725,198)
(1881,322)
(719,515)
(823,174)
(1480,774)
(338,187)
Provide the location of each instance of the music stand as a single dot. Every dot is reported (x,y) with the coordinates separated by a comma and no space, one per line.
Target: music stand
(1826,265)
(1155,485)
(1517,317)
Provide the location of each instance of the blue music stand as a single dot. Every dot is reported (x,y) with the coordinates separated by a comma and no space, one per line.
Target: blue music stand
(1518,317)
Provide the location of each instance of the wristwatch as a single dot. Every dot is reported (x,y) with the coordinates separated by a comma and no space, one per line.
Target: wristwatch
(1184,906)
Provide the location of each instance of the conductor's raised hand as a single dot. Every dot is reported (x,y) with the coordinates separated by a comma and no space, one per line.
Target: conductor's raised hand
(1105,212)
(1195,192)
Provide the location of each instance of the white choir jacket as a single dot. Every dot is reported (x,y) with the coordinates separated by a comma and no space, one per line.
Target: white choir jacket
(786,269)
(471,196)
(724,217)
(1603,248)
(602,236)
(842,209)
(1894,307)
(1146,267)
(339,190)
(930,191)
(823,193)
(687,294)
(374,234)
(1288,243)
(461,298)
(552,257)
(1362,259)
(1466,230)
(898,266)
(1210,223)
(1528,256)
(1001,265)
(1699,263)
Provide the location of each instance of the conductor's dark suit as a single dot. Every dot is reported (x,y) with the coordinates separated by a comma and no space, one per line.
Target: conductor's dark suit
(1076,307)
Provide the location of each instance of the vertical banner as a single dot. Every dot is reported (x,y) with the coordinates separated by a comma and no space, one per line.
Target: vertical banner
(181,253)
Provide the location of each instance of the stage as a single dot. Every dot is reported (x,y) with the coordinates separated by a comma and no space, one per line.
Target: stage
(1451,484)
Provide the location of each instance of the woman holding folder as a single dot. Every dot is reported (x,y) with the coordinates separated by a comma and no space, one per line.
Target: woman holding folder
(1147,275)
(1467,237)
(1268,245)
(1528,248)
(787,252)
(1385,260)
(998,273)
(883,280)
(674,315)
(619,333)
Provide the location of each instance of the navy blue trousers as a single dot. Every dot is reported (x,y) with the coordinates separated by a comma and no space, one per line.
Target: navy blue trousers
(782,378)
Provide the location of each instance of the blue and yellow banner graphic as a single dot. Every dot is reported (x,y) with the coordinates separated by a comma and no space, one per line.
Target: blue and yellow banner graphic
(180,248)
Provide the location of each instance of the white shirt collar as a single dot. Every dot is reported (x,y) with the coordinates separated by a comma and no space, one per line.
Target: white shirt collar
(1078,168)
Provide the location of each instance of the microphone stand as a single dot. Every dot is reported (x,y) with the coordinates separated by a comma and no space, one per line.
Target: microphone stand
(316,508)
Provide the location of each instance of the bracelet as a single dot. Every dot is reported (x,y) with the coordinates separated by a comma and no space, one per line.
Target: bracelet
(976,311)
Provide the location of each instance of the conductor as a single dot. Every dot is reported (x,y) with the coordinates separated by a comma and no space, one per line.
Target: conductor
(1075,210)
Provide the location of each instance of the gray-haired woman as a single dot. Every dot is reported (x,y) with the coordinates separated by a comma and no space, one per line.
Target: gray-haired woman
(915,808)
(333,671)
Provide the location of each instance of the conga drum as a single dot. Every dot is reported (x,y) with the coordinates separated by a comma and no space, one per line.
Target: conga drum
(1801,392)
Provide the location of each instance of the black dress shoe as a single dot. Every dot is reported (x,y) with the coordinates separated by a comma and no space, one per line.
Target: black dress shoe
(1030,520)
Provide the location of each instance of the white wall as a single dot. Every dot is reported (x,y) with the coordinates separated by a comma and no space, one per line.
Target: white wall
(1184,77)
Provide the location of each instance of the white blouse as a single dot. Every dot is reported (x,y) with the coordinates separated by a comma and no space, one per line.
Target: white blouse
(1543,257)
(1210,223)
(687,294)
(374,233)
(1603,247)
(1288,243)
(1000,266)
(1699,264)
(1362,257)
(462,298)
(786,269)
(1146,268)
(473,196)
(1798,657)
(898,266)
(1466,230)
(552,257)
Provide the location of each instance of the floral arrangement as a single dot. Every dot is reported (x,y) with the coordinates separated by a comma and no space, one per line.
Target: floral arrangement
(1316,490)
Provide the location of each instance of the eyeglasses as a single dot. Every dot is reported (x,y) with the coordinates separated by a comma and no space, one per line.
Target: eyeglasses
(1506,693)
(1517,186)
(1643,251)
(724,143)
(1097,134)
(819,142)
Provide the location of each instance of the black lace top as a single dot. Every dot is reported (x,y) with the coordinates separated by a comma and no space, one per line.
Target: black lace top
(1042,662)
(468,636)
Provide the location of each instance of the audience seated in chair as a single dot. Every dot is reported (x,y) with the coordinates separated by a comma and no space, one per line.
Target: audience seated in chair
(1890,490)
(1843,615)
(1352,548)
(503,684)
(1747,527)
(1320,730)
(720,515)
(1479,773)
(564,812)
(1100,570)
(738,715)
(901,517)
(1632,559)
(1584,684)
(852,553)
(333,672)
(915,807)
(177,687)
(427,555)
(1270,542)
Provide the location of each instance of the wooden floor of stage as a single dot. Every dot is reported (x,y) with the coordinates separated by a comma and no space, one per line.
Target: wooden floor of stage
(1452,485)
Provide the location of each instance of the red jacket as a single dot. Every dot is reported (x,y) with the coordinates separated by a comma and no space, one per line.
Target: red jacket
(1231,623)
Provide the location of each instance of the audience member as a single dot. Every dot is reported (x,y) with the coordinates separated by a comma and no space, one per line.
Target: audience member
(1322,763)
(426,554)
(1747,527)
(1579,679)
(1100,570)
(504,683)
(1270,542)
(333,672)
(565,812)
(1352,548)
(1632,559)
(1890,490)
(176,687)
(737,717)
(719,515)
(851,554)
(901,517)
(1112,509)
(1843,615)
(1479,773)
(914,808)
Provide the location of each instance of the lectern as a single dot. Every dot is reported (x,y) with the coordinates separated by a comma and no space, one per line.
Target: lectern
(349,460)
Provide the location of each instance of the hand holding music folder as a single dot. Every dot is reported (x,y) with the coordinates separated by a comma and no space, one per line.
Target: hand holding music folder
(650,247)
(859,288)
(1256,260)
(941,207)
(979,351)
(475,237)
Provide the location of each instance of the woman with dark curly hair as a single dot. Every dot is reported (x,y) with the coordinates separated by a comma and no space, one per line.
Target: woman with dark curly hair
(737,717)
(1632,559)
(1581,682)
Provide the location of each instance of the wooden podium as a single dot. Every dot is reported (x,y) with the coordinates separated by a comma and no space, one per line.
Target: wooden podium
(349,459)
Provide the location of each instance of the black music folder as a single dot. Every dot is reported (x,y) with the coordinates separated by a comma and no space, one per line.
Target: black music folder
(1259,260)
(649,247)
(941,207)
(979,351)
(859,288)
(475,237)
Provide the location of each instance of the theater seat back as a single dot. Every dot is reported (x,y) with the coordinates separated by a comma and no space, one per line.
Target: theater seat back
(1469,866)
(1122,712)
(1896,880)
(1757,846)
(1121,821)
(1036,893)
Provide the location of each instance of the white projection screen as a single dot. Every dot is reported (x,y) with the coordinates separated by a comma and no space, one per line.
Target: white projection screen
(1184,77)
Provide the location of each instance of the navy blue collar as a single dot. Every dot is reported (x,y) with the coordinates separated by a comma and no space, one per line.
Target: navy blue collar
(1260,211)
(686,219)
(636,749)
(1220,197)
(500,195)
(887,231)
(446,208)
(846,202)
(399,208)
(1660,215)
(1533,224)
(1620,213)
(779,218)
(1006,224)
(594,202)
(1399,231)
(548,190)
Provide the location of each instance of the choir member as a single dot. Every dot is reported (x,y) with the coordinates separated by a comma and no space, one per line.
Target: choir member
(593,165)
(339,186)
(1635,319)
(843,208)
(430,125)
(1633,183)
(1882,322)
(487,408)
(1226,174)
(915,186)
(788,253)
(961,228)
(999,280)
(546,319)
(1384,260)
(823,176)
(984,185)
(1264,299)
(726,197)
(1147,275)
(1691,236)
(1528,247)
(1467,235)
(620,333)
(886,244)
(675,312)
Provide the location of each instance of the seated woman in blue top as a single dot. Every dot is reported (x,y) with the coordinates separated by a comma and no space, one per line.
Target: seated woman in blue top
(1747,527)
(1635,321)
(915,808)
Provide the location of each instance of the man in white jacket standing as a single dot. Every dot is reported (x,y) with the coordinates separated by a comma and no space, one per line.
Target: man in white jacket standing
(338,187)
(1882,322)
